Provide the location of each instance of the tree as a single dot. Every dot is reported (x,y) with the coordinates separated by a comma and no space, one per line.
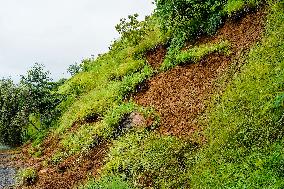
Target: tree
(189,17)
(74,69)
(131,29)
(40,96)
(11,114)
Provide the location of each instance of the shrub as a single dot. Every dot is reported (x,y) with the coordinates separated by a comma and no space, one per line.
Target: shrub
(107,183)
(27,176)
(195,54)
(149,160)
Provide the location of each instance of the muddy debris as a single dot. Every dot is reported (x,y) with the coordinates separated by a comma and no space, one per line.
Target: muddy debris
(179,95)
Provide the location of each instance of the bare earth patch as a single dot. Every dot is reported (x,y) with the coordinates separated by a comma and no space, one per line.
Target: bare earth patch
(179,95)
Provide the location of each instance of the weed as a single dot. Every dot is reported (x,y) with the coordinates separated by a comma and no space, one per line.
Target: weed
(27,176)
(195,54)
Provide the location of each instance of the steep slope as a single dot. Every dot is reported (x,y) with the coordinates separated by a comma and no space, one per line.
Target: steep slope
(212,118)
(179,94)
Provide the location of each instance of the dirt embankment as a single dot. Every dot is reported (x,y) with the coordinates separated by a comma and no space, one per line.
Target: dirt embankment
(66,174)
(179,95)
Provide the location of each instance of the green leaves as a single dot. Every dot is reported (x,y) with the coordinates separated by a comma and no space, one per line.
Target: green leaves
(195,54)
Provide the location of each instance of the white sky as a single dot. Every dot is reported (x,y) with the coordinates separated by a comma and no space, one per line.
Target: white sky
(58,33)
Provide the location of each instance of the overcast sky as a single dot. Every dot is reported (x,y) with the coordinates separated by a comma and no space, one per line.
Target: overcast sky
(58,33)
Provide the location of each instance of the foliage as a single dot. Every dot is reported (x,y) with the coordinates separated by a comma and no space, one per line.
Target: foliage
(189,16)
(234,7)
(107,183)
(195,54)
(28,176)
(74,69)
(28,108)
(132,30)
(40,101)
(148,159)
(11,110)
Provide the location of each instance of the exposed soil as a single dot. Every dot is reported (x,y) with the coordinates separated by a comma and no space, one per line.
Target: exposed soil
(156,56)
(69,173)
(179,95)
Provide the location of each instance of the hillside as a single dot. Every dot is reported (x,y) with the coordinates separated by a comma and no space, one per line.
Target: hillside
(191,97)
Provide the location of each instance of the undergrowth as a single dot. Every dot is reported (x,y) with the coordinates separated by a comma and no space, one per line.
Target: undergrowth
(195,54)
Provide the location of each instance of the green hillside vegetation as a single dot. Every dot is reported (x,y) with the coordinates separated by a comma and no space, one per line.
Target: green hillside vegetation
(243,124)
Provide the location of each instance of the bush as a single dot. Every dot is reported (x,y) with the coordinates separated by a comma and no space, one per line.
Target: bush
(28,176)
(195,54)
(149,160)
(107,183)
(13,118)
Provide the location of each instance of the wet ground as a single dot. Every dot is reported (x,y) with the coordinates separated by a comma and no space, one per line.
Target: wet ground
(7,173)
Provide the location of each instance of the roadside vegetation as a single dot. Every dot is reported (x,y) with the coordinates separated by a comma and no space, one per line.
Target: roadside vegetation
(243,125)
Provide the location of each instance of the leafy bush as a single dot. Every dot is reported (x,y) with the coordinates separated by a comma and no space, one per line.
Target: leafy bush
(132,30)
(27,176)
(148,159)
(107,183)
(13,118)
(195,54)
(189,16)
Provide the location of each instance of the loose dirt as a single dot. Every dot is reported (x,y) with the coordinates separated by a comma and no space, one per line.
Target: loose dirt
(179,95)
(71,172)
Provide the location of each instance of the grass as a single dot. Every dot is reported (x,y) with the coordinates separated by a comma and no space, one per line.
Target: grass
(195,54)
(236,6)
(148,159)
(27,176)
(244,125)
(99,100)
(107,183)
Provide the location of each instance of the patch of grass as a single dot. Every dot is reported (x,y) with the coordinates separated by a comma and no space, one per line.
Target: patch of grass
(27,176)
(101,99)
(107,183)
(236,6)
(195,54)
(90,135)
(147,159)
(58,157)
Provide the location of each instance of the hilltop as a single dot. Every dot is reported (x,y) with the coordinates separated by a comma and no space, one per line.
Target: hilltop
(191,97)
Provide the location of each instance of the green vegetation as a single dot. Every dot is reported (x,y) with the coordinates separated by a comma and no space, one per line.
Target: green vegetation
(195,54)
(149,159)
(107,183)
(234,7)
(27,176)
(243,126)
(28,109)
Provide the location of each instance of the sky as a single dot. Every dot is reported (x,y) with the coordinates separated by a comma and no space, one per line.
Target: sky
(58,33)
